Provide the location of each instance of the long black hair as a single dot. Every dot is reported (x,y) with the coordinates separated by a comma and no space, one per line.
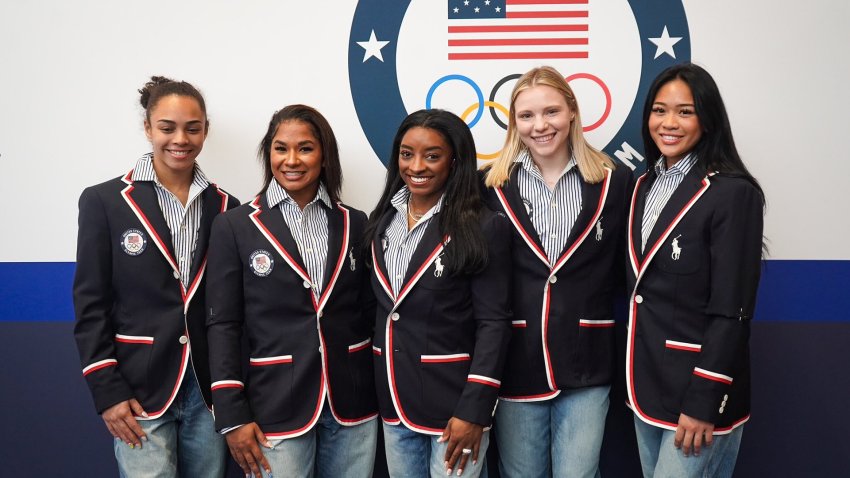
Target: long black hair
(716,149)
(460,214)
(331,175)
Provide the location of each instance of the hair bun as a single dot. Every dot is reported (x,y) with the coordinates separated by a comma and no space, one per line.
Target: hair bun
(151,85)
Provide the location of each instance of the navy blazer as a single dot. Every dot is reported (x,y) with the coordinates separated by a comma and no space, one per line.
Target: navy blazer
(440,344)
(137,326)
(693,291)
(563,327)
(301,350)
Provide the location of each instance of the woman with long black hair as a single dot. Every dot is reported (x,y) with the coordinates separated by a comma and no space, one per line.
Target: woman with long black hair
(695,247)
(440,264)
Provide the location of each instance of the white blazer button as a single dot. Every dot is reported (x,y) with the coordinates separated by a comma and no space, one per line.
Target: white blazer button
(306,284)
(721,410)
(725,397)
(395,316)
(553,279)
(176,275)
(320,349)
(639,299)
(320,314)
(183,339)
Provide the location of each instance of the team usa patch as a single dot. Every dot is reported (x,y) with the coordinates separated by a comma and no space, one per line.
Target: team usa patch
(133,242)
(261,262)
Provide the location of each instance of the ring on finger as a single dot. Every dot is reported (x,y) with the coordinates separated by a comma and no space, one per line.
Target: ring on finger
(466,451)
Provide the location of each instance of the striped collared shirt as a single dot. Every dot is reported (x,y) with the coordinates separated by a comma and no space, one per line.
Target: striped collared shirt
(309,228)
(552,211)
(183,221)
(398,243)
(665,184)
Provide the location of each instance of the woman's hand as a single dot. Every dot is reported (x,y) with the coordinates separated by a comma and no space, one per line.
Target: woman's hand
(122,424)
(243,443)
(463,439)
(690,433)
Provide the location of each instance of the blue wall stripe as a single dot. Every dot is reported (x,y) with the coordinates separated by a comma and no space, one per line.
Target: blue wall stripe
(790,291)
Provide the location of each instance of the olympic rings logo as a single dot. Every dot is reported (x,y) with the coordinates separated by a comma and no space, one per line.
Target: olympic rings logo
(491,105)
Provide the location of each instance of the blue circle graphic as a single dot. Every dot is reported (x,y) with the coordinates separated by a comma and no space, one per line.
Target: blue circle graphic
(378,101)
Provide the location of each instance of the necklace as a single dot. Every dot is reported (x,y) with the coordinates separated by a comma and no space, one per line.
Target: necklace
(415,217)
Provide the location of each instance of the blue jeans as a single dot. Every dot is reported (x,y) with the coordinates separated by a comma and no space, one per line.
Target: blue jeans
(416,455)
(659,458)
(560,437)
(181,442)
(329,450)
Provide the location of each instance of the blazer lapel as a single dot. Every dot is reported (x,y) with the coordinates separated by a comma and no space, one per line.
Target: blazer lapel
(427,251)
(338,241)
(593,198)
(215,202)
(271,224)
(378,263)
(141,198)
(514,207)
(636,208)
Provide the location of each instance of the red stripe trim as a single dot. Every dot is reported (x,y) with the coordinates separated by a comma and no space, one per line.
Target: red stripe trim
(531,398)
(255,218)
(603,196)
(519,324)
(364,346)
(433,359)
(270,362)
(670,344)
(517,28)
(633,257)
(538,251)
(127,340)
(380,274)
(550,373)
(184,360)
(422,268)
(491,382)
(520,41)
(556,14)
(106,363)
(543,55)
(599,325)
(376,350)
(227,385)
(340,260)
(713,377)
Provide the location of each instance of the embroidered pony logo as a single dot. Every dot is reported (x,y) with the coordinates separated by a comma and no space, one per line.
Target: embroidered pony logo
(438,266)
(599,229)
(677,251)
(351,260)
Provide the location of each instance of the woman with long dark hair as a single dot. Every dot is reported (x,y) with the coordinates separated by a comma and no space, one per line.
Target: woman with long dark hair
(139,294)
(440,264)
(286,273)
(695,247)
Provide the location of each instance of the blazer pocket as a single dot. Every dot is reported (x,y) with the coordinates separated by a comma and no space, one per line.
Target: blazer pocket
(270,387)
(680,358)
(133,353)
(596,346)
(361,373)
(443,379)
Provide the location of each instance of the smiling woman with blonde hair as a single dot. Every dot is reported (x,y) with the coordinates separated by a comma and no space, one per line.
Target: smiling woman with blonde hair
(567,205)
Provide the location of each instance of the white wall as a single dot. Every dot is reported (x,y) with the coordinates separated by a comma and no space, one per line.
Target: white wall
(69,114)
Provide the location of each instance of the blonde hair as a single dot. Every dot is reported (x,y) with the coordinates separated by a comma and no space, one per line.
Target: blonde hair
(591,162)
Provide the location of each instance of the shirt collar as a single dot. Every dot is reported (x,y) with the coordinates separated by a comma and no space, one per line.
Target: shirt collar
(275,195)
(531,168)
(399,201)
(682,167)
(143,171)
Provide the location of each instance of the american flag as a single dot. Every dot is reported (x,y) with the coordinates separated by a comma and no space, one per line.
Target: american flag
(517,29)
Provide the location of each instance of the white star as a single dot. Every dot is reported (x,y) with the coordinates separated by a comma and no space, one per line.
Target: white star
(457,9)
(486,2)
(465,3)
(498,9)
(665,43)
(372,47)
(477,9)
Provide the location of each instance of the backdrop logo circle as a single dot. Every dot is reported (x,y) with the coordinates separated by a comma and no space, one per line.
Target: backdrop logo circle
(465,56)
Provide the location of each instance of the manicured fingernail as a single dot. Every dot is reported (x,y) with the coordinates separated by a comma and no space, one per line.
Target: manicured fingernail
(145,414)
(145,438)
(449,472)
(268,444)
(474,462)
(459,471)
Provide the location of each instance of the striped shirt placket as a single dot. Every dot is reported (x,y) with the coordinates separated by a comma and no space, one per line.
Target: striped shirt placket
(398,243)
(552,211)
(309,228)
(182,221)
(662,189)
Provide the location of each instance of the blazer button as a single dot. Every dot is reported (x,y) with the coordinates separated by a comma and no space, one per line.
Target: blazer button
(306,284)
(395,316)
(183,339)
(725,397)
(639,299)
(176,275)
(320,349)
(319,314)
(720,410)
(553,279)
